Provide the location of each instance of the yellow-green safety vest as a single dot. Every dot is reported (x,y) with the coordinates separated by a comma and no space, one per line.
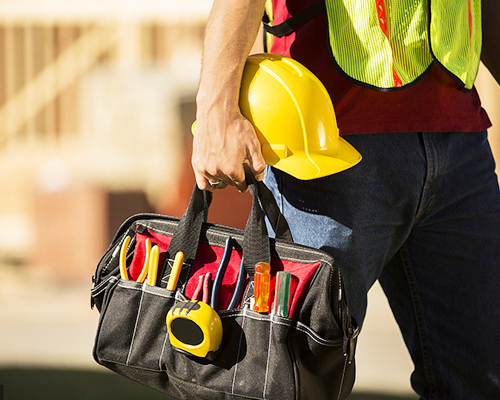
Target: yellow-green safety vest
(389,44)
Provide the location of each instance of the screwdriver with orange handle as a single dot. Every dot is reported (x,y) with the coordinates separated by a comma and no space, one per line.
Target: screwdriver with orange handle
(262,287)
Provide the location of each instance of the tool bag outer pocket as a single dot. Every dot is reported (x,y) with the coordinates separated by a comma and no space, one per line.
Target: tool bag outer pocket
(262,356)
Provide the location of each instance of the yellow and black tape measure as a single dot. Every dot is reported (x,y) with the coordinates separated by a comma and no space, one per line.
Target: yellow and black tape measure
(195,328)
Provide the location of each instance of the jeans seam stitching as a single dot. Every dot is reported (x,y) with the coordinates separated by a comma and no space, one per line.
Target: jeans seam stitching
(420,322)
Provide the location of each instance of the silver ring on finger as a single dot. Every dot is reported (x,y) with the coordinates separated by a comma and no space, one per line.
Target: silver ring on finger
(215,184)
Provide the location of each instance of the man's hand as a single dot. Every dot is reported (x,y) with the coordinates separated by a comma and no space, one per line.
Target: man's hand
(221,147)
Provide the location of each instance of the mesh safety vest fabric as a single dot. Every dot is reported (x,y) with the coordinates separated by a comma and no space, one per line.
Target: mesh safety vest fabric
(389,44)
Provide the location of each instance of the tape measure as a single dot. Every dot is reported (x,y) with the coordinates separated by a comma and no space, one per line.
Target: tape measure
(195,328)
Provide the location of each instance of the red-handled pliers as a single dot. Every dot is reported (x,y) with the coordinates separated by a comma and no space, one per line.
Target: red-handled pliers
(203,288)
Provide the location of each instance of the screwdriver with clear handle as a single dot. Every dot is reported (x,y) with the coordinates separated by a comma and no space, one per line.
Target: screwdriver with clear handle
(282,294)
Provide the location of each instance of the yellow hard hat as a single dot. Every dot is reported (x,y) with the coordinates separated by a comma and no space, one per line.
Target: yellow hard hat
(293,116)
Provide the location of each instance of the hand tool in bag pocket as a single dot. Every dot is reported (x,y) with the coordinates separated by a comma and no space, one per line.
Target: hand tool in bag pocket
(240,284)
(154,260)
(145,268)
(282,294)
(123,259)
(221,270)
(176,271)
(151,261)
(203,288)
(262,287)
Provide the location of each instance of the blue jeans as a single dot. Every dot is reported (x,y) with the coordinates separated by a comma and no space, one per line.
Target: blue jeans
(420,213)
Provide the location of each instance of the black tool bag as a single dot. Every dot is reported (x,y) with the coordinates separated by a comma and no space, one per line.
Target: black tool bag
(307,355)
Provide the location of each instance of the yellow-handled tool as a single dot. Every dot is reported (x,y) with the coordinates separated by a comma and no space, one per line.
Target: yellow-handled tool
(123,259)
(176,271)
(154,259)
(145,268)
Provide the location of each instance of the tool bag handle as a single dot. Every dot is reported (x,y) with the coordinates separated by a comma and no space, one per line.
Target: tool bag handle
(256,245)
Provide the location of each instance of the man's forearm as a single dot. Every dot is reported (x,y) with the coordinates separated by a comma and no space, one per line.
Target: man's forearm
(490,55)
(231,31)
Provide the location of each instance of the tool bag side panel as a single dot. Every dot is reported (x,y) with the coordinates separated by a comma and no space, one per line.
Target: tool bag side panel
(324,370)
(314,344)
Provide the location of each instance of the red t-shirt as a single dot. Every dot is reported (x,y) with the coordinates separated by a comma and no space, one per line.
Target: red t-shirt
(434,104)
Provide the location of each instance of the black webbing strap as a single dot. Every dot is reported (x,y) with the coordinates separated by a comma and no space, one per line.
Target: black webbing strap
(273,213)
(299,19)
(256,244)
(188,231)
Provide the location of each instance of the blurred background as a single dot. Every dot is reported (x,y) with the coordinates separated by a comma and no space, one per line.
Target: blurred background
(96,102)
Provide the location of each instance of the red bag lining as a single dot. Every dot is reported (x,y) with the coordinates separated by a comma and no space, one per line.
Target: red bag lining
(207,260)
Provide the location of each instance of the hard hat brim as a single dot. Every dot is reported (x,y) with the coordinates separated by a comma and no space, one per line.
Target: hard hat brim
(304,166)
